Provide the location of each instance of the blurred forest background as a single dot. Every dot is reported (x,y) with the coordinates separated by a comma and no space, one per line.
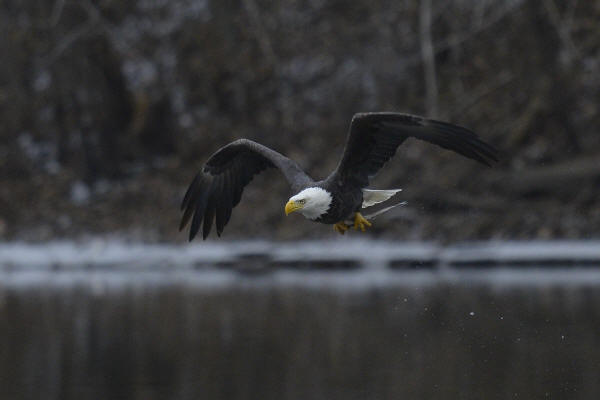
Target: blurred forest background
(108,109)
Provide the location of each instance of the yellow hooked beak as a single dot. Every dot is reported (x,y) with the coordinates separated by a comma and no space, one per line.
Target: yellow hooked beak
(292,206)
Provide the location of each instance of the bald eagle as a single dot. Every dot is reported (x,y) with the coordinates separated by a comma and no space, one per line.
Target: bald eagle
(372,140)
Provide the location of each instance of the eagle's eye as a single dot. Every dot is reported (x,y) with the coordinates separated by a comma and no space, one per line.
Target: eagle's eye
(302,201)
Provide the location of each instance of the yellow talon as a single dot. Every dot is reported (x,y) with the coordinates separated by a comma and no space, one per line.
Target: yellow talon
(360,222)
(340,227)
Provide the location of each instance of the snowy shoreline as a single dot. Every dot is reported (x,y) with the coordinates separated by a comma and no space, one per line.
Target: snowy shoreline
(335,254)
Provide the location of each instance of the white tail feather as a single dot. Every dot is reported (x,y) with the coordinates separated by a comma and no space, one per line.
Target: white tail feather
(372,197)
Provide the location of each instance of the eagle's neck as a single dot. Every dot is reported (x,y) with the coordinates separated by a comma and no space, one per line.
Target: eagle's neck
(319,203)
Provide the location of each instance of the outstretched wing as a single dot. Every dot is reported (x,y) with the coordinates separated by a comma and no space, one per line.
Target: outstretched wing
(374,138)
(218,188)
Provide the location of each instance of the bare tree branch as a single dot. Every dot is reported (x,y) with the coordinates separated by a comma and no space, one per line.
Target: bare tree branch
(480,92)
(57,10)
(68,40)
(264,41)
(563,28)
(428,57)
(95,21)
(470,33)
(555,177)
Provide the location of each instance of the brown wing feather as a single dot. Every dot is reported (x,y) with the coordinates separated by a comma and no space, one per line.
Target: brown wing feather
(217,189)
(374,138)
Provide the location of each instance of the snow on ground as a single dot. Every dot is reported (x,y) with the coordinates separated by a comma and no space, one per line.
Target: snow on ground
(111,252)
(105,263)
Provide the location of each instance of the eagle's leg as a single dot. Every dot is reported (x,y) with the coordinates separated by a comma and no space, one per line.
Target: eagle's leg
(340,227)
(360,222)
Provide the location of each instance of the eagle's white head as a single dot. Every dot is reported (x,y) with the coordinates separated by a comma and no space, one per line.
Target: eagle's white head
(311,202)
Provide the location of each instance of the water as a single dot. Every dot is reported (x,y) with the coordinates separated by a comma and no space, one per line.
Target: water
(119,321)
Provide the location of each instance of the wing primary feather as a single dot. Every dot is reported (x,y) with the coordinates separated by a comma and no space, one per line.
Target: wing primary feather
(187,214)
(448,136)
(467,148)
(228,199)
(190,202)
(209,213)
(240,183)
(466,136)
(224,203)
(199,213)
(190,190)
